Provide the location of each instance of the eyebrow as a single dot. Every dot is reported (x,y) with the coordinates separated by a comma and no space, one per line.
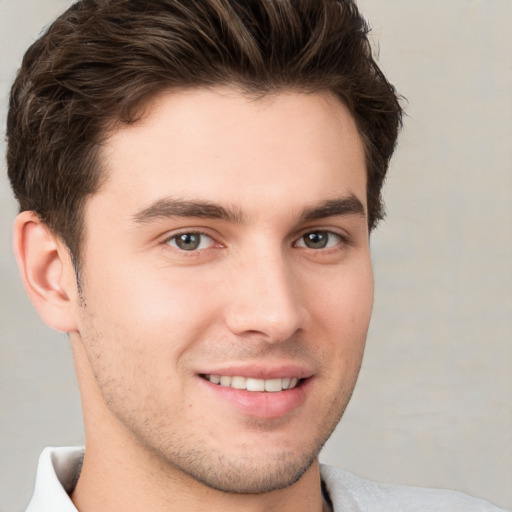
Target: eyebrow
(168,208)
(349,205)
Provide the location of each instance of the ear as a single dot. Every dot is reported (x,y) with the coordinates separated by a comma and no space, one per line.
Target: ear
(47,272)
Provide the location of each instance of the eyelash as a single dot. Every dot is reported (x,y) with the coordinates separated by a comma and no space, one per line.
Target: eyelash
(299,242)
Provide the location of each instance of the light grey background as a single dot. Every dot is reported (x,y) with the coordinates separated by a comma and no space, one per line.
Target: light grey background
(433,406)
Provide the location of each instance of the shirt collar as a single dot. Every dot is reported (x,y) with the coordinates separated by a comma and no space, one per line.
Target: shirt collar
(57,474)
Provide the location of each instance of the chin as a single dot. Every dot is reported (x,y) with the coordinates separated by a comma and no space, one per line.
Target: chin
(250,477)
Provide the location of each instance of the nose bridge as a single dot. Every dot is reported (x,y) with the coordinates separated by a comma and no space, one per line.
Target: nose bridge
(265,297)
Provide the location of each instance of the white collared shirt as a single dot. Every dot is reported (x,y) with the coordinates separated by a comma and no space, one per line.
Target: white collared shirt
(57,474)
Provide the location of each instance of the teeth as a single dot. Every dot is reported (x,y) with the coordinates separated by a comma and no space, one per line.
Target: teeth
(255,385)
(239,382)
(250,384)
(225,381)
(274,385)
(215,379)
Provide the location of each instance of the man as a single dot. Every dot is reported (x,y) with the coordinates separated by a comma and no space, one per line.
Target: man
(197,183)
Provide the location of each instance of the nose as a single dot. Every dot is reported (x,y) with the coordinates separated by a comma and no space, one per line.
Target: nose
(265,298)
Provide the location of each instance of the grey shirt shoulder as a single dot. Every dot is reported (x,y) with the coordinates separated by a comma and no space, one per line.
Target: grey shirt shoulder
(350,493)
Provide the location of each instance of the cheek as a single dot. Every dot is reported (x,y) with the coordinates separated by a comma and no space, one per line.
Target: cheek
(141,323)
(340,316)
(345,300)
(148,293)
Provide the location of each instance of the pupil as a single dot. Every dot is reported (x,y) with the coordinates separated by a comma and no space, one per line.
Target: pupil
(317,240)
(188,241)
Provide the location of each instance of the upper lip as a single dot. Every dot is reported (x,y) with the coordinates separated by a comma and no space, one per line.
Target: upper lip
(261,371)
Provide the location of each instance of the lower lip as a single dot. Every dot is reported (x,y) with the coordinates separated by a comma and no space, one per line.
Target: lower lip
(265,405)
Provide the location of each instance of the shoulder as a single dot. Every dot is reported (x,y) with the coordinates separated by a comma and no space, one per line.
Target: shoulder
(350,493)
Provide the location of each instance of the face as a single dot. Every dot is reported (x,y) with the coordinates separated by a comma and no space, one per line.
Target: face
(227,284)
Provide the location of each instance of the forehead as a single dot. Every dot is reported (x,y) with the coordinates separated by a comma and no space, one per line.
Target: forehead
(222,145)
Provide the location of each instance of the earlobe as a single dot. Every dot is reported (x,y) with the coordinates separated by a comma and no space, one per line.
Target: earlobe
(46,271)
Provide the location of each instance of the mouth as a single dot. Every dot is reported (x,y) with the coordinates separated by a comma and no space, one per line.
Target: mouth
(254,385)
(259,392)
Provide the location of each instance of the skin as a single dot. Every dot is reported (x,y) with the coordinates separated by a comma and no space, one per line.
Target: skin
(152,318)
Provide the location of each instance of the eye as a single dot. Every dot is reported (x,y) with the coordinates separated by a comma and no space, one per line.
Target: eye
(192,241)
(319,240)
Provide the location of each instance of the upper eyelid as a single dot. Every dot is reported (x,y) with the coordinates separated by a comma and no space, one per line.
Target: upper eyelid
(169,235)
(341,236)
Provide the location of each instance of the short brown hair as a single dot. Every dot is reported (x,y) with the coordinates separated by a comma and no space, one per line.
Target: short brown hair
(101,59)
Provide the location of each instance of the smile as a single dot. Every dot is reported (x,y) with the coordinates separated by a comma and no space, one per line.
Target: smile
(251,384)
